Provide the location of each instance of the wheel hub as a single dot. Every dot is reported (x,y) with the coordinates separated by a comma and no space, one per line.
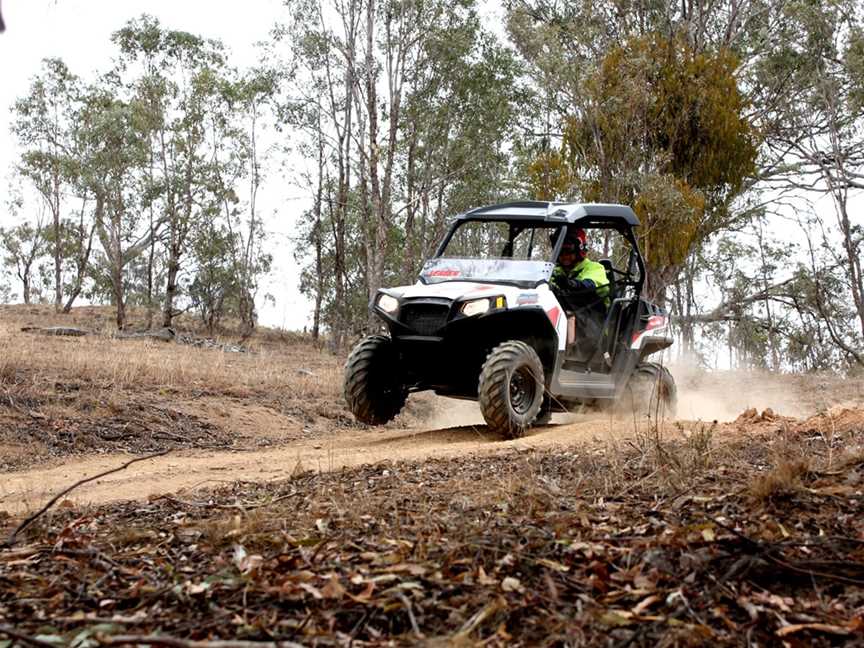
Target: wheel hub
(523,389)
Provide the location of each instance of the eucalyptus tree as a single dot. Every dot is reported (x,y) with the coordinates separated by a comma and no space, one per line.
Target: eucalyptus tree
(406,109)
(709,117)
(319,42)
(463,101)
(115,149)
(44,122)
(825,143)
(662,128)
(172,74)
(249,99)
(23,244)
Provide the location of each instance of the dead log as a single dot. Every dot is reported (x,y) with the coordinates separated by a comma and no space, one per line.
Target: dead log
(55,330)
(163,334)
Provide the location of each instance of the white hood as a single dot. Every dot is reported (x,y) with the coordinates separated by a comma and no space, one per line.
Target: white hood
(452,290)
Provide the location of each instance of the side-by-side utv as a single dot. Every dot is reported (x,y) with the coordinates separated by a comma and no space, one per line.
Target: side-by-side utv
(483,322)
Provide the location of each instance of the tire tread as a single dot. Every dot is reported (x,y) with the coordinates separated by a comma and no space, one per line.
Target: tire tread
(493,388)
(362,375)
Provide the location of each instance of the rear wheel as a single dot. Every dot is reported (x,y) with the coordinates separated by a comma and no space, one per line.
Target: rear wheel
(373,389)
(651,392)
(544,417)
(511,388)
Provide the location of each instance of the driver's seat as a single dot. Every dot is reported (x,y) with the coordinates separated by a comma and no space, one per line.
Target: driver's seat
(595,320)
(610,275)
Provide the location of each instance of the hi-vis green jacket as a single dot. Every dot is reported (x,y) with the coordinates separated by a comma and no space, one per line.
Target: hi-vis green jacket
(587,275)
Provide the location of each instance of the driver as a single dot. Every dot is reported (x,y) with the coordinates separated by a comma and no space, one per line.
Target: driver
(582,281)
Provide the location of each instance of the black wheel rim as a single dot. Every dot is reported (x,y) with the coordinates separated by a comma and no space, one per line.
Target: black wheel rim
(523,390)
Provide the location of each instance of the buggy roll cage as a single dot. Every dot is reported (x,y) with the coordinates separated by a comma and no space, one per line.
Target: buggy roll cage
(585,215)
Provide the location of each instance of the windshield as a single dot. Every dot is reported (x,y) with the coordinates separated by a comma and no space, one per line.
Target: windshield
(514,240)
(516,252)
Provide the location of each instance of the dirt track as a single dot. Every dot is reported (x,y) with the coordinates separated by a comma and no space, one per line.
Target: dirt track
(456,429)
(186,470)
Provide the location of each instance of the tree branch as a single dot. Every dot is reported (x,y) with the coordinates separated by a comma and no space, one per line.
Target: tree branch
(27,522)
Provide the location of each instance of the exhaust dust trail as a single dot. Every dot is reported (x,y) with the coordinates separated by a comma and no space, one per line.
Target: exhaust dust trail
(702,396)
(724,395)
(451,413)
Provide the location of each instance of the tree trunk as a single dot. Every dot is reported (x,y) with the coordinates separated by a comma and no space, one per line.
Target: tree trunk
(657,283)
(117,269)
(339,212)
(317,236)
(171,282)
(853,259)
(375,251)
(150,259)
(58,276)
(117,285)
(84,252)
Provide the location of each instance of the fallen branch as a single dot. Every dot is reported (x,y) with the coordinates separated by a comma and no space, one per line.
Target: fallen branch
(23,638)
(12,536)
(173,642)
(773,554)
(236,506)
(67,331)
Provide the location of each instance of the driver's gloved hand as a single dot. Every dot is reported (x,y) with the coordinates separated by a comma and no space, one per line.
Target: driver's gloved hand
(580,286)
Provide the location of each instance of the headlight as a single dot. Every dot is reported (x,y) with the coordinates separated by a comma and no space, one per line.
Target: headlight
(388,304)
(475,307)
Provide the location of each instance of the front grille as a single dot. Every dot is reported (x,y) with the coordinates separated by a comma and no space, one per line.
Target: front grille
(425,319)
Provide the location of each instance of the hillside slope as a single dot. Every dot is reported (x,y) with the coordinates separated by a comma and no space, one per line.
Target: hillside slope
(275,517)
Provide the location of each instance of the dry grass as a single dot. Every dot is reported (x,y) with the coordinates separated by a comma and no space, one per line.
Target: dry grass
(106,364)
(62,396)
(784,480)
(65,396)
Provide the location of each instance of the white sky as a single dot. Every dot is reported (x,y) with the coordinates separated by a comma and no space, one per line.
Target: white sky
(79,31)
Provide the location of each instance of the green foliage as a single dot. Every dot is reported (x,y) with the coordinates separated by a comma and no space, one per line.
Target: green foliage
(460,99)
(663,129)
(854,63)
(549,175)
(153,150)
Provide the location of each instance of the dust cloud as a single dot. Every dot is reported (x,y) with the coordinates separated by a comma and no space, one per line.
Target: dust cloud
(703,395)
(452,413)
(724,395)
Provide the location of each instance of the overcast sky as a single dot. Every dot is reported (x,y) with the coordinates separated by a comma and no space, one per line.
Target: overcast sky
(79,31)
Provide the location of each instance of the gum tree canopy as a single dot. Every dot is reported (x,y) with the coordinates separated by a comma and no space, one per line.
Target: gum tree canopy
(661,127)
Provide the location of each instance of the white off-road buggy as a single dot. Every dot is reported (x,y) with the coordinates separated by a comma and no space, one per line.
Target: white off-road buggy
(483,323)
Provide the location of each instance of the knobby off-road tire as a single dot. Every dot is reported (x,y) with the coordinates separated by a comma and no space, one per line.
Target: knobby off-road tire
(511,388)
(373,388)
(651,392)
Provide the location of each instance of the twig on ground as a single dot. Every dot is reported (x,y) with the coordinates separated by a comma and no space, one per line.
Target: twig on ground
(239,506)
(770,553)
(32,518)
(173,642)
(23,638)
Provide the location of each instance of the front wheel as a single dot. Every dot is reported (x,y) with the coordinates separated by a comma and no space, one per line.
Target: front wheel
(373,389)
(511,388)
